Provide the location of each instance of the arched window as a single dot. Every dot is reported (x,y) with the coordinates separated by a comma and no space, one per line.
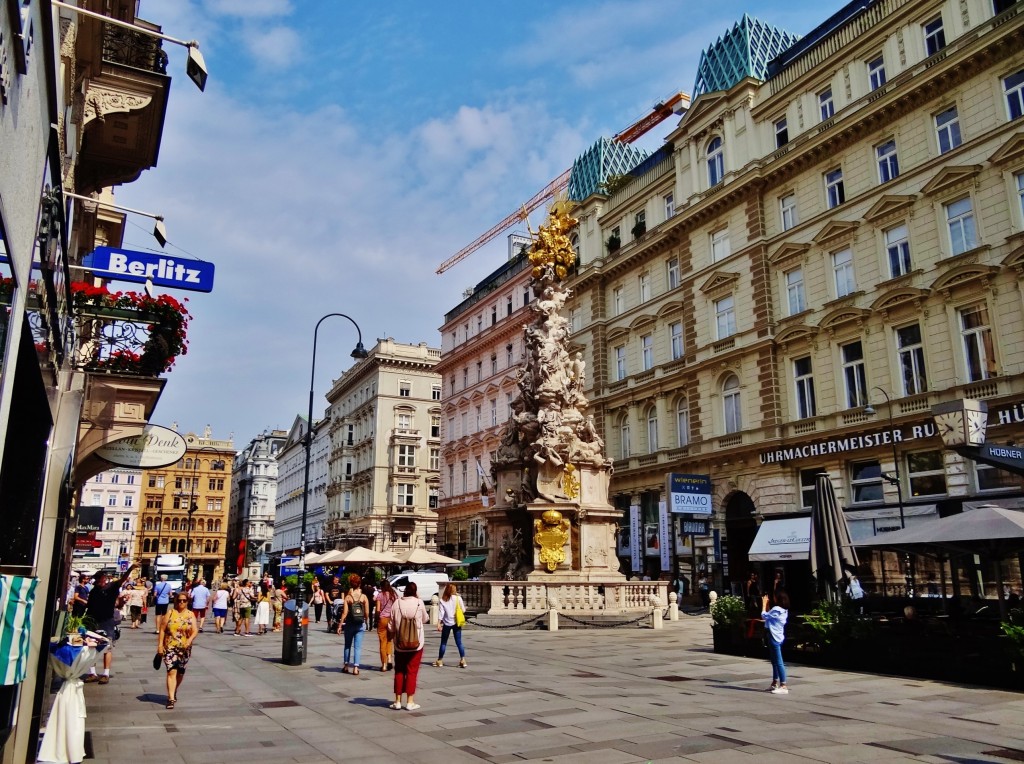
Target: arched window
(174,545)
(167,523)
(652,430)
(174,524)
(188,464)
(624,450)
(202,525)
(731,404)
(216,547)
(716,162)
(148,524)
(209,546)
(190,545)
(145,545)
(682,422)
(216,524)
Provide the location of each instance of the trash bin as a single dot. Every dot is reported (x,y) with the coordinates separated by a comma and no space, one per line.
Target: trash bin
(293,644)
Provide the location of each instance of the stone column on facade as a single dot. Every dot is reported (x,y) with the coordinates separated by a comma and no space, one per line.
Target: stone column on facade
(729,139)
(664,421)
(695,176)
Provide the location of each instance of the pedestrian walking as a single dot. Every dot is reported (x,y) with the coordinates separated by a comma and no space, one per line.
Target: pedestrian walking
(245,596)
(355,611)
(136,602)
(174,643)
(278,595)
(408,645)
(317,598)
(162,591)
(385,600)
(752,593)
(104,599)
(451,619)
(200,595)
(221,600)
(775,626)
(263,609)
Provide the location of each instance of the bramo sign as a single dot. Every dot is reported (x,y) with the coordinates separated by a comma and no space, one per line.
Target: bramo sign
(156,447)
(688,493)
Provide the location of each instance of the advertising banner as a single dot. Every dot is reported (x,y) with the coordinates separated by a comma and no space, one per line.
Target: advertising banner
(665,528)
(636,537)
(689,493)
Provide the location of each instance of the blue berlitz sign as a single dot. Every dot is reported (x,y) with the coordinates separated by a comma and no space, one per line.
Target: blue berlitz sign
(140,267)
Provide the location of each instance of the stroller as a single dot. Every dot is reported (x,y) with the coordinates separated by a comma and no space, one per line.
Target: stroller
(334,610)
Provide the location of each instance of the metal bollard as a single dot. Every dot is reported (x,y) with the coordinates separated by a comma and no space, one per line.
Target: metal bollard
(657,619)
(673,606)
(435,610)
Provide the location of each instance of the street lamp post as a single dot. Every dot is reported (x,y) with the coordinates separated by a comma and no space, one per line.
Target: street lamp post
(894,479)
(359,353)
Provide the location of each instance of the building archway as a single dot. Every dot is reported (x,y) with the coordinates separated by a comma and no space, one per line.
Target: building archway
(740,530)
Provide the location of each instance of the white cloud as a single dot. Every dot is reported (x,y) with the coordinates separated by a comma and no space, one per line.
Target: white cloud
(250,8)
(272,47)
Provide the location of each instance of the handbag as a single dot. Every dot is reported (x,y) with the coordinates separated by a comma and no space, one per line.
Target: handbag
(460,616)
(157,660)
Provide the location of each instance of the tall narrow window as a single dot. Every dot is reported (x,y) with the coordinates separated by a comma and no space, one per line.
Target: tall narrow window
(826,107)
(854,375)
(672,266)
(781,133)
(888,163)
(842,268)
(960,219)
(725,317)
(804,382)
(652,430)
(876,73)
(575,319)
(676,335)
(670,205)
(620,362)
(795,291)
(494,359)
(624,449)
(1013,86)
(720,248)
(911,355)
(1019,180)
(647,351)
(787,210)
(682,423)
(494,412)
(866,481)
(639,224)
(897,247)
(835,192)
(644,283)
(947,129)
(979,353)
(618,301)
(731,408)
(716,162)
(934,36)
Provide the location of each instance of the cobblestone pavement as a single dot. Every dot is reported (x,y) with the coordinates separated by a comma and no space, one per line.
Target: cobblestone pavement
(600,696)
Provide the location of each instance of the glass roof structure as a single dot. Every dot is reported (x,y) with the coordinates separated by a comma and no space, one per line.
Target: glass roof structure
(743,51)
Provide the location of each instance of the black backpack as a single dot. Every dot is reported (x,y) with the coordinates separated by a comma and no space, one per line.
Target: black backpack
(356,612)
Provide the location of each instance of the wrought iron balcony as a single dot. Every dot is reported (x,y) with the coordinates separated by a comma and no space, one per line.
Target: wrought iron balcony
(139,51)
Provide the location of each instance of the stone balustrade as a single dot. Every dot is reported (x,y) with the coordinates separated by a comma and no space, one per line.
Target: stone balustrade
(533,597)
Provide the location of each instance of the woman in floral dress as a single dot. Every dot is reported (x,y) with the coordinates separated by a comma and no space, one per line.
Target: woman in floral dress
(174,642)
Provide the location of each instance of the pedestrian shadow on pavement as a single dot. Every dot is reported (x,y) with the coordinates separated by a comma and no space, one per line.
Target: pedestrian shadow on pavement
(328,669)
(150,697)
(372,702)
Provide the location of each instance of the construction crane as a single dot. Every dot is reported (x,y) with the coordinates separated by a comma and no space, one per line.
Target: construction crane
(661,111)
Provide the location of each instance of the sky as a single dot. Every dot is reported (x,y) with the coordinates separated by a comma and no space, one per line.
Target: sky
(343,150)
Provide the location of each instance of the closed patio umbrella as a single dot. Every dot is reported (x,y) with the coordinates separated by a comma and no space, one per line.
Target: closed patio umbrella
(831,552)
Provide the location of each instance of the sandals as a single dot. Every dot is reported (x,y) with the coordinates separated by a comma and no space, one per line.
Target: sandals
(355,671)
(170,703)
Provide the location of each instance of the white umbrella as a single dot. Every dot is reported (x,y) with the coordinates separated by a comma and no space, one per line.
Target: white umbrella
(425,557)
(360,554)
(64,739)
(312,558)
(330,558)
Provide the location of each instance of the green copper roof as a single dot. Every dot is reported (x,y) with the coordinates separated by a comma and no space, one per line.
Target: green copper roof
(743,51)
(598,163)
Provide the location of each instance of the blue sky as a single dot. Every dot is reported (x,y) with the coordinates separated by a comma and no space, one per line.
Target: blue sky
(343,150)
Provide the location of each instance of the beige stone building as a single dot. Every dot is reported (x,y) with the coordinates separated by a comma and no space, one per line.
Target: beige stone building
(481,346)
(843,225)
(385,428)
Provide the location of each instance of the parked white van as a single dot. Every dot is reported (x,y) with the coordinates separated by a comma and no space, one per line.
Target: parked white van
(428,583)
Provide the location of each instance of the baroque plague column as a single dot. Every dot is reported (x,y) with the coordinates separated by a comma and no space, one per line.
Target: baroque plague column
(552,520)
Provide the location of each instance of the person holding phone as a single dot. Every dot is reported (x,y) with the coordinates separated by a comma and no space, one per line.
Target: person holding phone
(775,626)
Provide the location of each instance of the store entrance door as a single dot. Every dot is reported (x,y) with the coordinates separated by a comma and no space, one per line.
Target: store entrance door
(740,530)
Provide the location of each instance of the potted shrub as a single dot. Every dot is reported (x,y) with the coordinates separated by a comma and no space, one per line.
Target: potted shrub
(728,615)
(639,229)
(613,243)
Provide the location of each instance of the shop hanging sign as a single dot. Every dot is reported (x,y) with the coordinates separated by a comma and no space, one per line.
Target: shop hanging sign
(688,493)
(694,527)
(156,447)
(140,267)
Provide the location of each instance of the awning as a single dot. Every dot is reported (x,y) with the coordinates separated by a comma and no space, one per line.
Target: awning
(474,558)
(788,539)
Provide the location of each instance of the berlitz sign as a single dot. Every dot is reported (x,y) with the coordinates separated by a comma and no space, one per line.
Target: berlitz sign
(156,447)
(140,267)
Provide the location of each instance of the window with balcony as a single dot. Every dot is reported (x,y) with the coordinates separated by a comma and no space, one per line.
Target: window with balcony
(979,352)
(1013,87)
(781,133)
(854,374)
(888,162)
(672,265)
(866,481)
(960,222)
(803,380)
(796,300)
(716,162)
(720,245)
(404,421)
(947,129)
(911,358)
(934,36)
(897,250)
(725,317)
(826,107)
(732,409)
(675,331)
(406,455)
(787,211)
(842,271)
(835,191)
(876,73)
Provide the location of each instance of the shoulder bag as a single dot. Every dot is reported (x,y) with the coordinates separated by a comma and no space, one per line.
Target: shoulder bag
(460,615)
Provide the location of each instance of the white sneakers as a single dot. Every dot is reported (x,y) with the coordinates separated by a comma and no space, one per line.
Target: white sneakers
(781,690)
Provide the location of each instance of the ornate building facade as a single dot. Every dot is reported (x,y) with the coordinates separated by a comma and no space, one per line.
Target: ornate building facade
(384,462)
(253,502)
(836,222)
(117,494)
(291,471)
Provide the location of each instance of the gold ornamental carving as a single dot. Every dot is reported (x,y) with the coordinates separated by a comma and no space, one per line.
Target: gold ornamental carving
(570,482)
(550,533)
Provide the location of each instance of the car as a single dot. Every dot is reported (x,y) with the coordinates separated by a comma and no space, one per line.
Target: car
(428,583)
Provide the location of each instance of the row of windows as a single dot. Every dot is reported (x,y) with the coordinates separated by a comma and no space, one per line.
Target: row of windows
(405,390)
(472,475)
(174,524)
(115,477)
(510,362)
(480,418)
(179,545)
(405,456)
(127,501)
(480,323)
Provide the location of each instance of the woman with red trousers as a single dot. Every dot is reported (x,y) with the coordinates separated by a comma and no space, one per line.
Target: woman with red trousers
(407,656)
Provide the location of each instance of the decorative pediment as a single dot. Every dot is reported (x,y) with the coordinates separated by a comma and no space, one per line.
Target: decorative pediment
(951,178)
(888,205)
(789,251)
(834,231)
(1015,259)
(476,395)
(706,102)
(836,318)
(719,281)
(617,332)
(492,388)
(673,306)
(895,298)
(964,274)
(642,320)
(796,333)
(1011,151)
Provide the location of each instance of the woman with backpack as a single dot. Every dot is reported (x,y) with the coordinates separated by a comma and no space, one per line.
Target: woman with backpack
(354,613)
(407,618)
(385,603)
(452,619)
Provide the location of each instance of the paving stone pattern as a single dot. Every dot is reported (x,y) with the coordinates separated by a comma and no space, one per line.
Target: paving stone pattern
(603,696)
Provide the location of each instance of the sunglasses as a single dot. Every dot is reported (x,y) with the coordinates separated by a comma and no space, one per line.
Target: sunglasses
(181,600)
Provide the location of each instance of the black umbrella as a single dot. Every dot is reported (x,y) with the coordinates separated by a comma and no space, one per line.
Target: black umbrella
(832,552)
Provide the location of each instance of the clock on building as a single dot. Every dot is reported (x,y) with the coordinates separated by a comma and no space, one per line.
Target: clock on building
(977,421)
(961,422)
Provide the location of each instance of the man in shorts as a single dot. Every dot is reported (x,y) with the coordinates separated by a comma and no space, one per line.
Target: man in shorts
(200,599)
(162,591)
(104,599)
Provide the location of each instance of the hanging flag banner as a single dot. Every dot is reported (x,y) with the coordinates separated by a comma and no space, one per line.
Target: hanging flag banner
(140,267)
(665,529)
(636,537)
